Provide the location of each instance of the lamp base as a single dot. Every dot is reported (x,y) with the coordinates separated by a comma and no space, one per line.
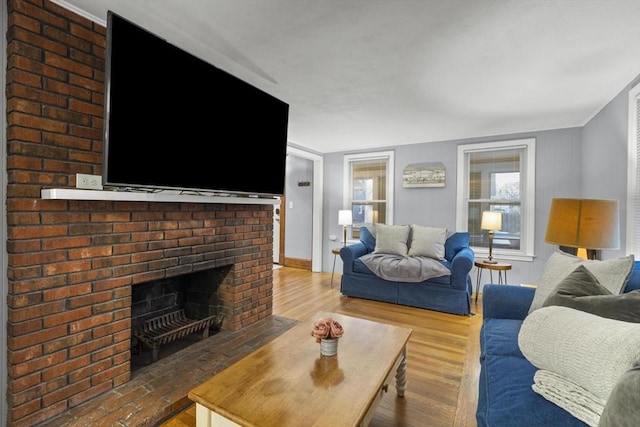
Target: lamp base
(489,261)
(593,254)
(344,235)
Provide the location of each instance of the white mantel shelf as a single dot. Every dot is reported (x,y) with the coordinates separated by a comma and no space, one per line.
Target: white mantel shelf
(134,196)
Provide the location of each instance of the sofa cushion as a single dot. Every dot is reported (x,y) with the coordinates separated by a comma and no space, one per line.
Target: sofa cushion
(591,351)
(622,408)
(612,274)
(500,337)
(392,239)
(361,267)
(367,237)
(634,278)
(582,291)
(505,397)
(454,243)
(427,241)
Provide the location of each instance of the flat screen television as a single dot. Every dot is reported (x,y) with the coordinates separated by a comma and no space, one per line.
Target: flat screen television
(174,121)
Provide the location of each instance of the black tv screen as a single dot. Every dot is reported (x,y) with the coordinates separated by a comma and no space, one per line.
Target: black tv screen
(174,121)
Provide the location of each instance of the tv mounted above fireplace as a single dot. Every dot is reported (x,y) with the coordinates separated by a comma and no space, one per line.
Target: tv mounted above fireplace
(174,121)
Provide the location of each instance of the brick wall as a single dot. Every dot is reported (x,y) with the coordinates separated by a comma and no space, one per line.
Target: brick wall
(72,264)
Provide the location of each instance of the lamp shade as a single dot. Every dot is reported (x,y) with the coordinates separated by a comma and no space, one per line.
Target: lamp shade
(345,217)
(491,220)
(584,223)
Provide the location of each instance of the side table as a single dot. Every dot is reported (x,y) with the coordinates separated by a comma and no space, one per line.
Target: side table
(335,252)
(498,266)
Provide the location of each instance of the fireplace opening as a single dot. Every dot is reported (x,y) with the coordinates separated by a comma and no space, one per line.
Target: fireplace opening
(168,315)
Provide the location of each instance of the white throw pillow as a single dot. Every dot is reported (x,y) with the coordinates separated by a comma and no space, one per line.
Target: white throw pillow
(392,239)
(612,274)
(427,241)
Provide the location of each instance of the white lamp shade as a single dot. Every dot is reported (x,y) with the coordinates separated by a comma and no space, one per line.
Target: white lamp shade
(491,220)
(344,217)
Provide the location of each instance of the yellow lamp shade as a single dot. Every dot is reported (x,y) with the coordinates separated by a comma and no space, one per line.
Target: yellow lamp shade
(584,223)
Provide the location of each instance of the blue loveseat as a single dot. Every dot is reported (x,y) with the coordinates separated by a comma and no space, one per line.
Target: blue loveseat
(506,397)
(449,293)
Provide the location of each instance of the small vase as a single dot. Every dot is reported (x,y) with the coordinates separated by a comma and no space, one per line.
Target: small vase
(329,346)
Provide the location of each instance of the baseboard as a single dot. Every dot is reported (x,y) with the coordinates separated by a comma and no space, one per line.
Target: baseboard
(298,263)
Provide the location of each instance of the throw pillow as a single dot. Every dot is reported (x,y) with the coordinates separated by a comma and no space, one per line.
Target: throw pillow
(621,409)
(392,239)
(612,274)
(582,291)
(427,241)
(589,350)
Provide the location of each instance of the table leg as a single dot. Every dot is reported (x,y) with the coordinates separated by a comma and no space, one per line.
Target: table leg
(333,270)
(478,278)
(401,373)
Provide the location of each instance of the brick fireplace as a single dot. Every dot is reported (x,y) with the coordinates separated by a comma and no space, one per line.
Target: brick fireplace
(72,264)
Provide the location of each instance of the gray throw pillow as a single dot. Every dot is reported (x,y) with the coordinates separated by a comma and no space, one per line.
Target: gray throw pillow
(623,406)
(582,291)
(613,274)
(392,239)
(427,241)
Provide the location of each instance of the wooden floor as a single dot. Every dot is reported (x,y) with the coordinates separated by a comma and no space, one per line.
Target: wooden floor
(442,365)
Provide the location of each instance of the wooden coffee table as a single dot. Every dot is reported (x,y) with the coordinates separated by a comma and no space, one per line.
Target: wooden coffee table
(288,383)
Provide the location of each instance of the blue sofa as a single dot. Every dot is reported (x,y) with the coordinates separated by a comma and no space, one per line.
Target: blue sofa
(450,294)
(505,396)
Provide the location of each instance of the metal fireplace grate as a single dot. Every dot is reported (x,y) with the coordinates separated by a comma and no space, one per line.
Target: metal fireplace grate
(170,327)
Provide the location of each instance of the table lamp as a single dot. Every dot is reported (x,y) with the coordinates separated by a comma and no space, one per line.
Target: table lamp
(583,226)
(345,219)
(491,221)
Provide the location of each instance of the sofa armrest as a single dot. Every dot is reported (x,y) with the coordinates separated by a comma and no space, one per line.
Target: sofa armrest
(461,266)
(506,301)
(350,253)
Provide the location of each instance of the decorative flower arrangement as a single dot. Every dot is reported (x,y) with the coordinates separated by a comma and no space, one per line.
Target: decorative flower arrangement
(325,328)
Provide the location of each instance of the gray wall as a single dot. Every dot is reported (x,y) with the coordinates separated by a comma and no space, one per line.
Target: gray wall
(604,163)
(587,161)
(298,209)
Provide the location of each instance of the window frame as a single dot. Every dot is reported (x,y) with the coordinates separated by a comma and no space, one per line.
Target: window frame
(349,160)
(527,201)
(633,186)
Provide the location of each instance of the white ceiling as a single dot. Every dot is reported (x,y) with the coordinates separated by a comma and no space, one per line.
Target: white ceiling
(365,74)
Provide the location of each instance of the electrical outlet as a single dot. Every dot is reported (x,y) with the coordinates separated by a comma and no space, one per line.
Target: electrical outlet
(88,182)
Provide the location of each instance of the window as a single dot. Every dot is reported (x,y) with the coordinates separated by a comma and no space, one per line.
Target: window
(633,178)
(368,189)
(498,177)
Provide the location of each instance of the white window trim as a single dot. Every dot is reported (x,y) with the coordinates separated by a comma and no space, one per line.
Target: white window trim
(346,189)
(527,218)
(633,210)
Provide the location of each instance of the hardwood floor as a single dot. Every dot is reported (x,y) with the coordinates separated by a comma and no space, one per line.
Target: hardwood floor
(442,365)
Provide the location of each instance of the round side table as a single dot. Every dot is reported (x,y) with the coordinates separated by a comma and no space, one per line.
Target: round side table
(497,266)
